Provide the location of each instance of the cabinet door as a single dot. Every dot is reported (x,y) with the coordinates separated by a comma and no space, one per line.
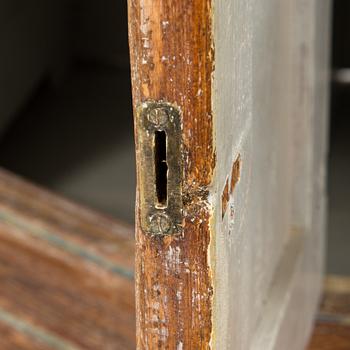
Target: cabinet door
(230,105)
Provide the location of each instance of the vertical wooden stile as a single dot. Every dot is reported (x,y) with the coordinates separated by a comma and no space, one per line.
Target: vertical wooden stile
(172,63)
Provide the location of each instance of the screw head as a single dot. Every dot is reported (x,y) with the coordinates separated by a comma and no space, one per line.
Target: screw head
(158,116)
(160,224)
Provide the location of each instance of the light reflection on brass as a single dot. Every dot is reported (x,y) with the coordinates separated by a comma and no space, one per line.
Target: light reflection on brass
(166,218)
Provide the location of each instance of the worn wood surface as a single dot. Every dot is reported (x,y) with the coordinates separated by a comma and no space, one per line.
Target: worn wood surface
(262,100)
(172,60)
(66,273)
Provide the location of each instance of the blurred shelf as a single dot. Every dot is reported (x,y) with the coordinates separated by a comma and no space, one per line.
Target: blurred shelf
(332,329)
(66,273)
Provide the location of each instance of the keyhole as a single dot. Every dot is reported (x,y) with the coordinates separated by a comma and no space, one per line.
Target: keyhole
(161,168)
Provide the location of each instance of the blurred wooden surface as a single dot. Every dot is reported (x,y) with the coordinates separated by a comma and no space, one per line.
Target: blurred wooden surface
(66,278)
(66,274)
(332,329)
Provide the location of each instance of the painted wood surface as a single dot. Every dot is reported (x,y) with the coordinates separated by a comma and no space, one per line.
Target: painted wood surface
(250,79)
(270,109)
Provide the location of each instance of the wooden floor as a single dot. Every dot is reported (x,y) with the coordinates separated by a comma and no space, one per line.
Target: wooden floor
(66,278)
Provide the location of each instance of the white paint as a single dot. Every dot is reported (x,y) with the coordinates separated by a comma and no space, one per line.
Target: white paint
(165,24)
(179,346)
(173,260)
(265,109)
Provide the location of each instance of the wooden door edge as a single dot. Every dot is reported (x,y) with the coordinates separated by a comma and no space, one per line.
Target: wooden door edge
(172,61)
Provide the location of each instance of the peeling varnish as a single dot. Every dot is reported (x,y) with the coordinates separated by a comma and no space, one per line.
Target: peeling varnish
(230,186)
(225,197)
(235,173)
(172,59)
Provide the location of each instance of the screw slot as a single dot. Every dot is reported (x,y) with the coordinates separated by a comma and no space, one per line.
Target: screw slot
(158,116)
(160,224)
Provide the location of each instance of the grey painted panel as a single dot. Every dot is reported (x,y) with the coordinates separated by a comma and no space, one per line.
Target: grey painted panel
(270,103)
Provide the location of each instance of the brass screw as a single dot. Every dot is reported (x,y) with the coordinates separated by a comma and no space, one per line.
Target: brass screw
(160,224)
(158,116)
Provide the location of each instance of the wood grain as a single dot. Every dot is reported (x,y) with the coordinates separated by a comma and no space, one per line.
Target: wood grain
(332,328)
(11,339)
(66,273)
(172,60)
(53,296)
(330,336)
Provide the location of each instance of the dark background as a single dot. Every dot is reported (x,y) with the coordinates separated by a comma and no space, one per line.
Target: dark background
(339,157)
(65,111)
